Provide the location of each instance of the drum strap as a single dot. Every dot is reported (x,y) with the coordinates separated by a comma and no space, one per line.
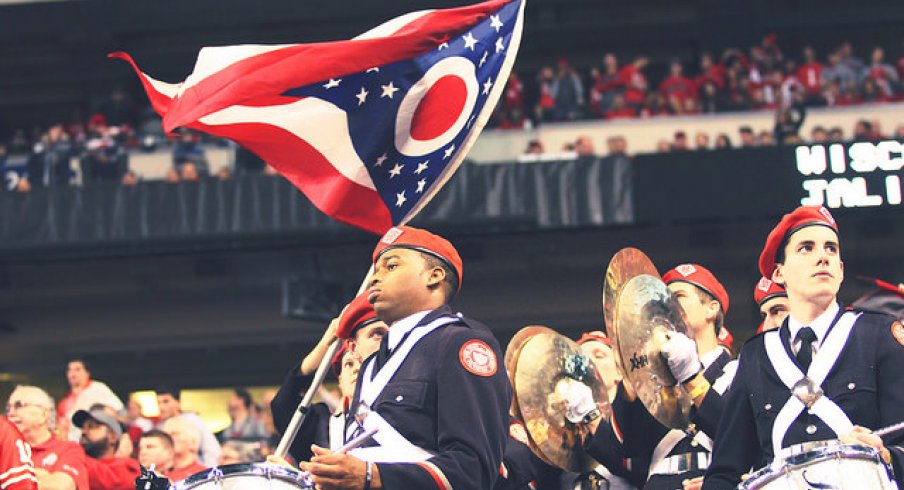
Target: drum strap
(822,364)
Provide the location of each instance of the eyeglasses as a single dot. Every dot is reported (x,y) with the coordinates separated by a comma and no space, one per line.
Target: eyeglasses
(18,405)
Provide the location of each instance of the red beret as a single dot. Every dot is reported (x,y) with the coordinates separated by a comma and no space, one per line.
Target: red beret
(422,241)
(702,278)
(795,220)
(595,335)
(766,290)
(725,338)
(884,285)
(337,358)
(358,313)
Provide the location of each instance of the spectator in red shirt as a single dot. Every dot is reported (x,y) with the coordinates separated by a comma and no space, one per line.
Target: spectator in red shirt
(547,102)
(514,93)
(654,106)
(900,63)
(100,438)
(810,73)
(59,465)
(620,109)
(84,392)
(710,72)
(635,82)
(185,448)
(155,450)
(882,74)
(606,84)
(17,472)
(676,88)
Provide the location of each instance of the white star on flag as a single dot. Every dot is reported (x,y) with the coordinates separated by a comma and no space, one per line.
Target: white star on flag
(421,167)
(442,46)
(396,170)
(420,186)
(388,90)
(380,160)
(483,59)
(449,151)
(487,86)
(375,69)
(499,45)
(362,96)
(470,41)
(400,199)
(332,83)
(495,22)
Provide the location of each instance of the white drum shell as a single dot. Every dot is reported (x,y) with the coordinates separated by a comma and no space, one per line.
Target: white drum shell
(249,476)
(823,464)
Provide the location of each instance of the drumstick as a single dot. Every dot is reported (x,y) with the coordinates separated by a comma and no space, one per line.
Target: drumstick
(888,430)
(361,439)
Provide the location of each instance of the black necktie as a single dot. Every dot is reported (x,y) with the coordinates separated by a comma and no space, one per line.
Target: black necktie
(382,354)
(805,354)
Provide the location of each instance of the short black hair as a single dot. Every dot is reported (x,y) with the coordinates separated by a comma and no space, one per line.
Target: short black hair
(82,360)
(450,283)
(243,394)
(169,390)
(159,434)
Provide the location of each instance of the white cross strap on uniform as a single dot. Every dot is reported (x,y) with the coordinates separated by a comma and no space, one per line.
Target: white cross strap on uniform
(792,377)
(393,446)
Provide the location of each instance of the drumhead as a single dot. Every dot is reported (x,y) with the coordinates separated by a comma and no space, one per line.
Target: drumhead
(245,472)
(807,453)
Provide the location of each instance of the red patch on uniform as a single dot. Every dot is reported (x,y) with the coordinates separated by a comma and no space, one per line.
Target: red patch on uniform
(897,330)
(518,432)
(477,357)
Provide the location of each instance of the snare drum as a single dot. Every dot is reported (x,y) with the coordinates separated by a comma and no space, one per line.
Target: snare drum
(825,465)
(246,476)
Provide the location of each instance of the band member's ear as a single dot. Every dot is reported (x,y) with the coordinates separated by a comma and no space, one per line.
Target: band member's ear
(777,276)
(437,276)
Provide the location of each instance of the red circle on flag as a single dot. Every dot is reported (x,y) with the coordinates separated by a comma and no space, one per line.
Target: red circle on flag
(440,108)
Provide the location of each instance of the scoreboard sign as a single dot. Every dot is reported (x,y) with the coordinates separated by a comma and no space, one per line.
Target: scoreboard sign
(856,175)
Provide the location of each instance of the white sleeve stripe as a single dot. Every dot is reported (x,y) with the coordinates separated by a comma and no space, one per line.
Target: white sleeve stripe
(17,469)
(27,476)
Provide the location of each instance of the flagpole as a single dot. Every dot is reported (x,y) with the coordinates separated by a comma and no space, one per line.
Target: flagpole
(282,449)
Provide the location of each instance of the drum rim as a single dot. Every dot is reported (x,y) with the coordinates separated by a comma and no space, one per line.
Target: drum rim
(811,451)
(232,470)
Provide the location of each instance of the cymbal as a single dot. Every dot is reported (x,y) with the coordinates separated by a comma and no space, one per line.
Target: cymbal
(647,313)
(628,263)
(511,355)
(545,367)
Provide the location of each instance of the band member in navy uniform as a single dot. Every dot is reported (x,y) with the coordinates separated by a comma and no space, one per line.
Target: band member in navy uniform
(324,425)
(855,358)
(435,391)
(772,301)
(677,458)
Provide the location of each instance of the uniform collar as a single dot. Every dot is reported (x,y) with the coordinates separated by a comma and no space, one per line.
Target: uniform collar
(820,325)
(399,328)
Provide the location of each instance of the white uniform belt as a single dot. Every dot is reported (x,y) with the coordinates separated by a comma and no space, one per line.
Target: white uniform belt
(681,463)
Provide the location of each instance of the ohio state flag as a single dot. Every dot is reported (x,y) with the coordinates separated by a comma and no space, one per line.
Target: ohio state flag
(369,128)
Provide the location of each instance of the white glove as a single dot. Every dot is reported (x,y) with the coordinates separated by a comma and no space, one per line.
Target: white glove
(680,353)
(579,403)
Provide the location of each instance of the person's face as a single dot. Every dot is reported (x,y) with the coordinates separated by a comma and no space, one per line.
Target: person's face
(813,269)
(604,361)
(367,339)
(584,146)
(152,451)
(774,312)
(401,284)
(134,409)
(27,410)
(698,314)
(182,444)
(348,376)
(76,374)
(168,406)
(96,438)
(229,455)
(235,406)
